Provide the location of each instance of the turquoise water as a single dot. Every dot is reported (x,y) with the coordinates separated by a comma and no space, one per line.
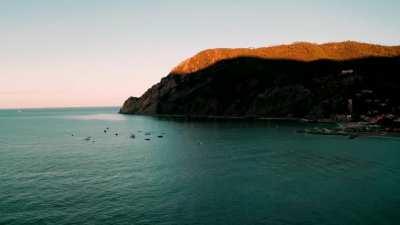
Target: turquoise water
(231,172)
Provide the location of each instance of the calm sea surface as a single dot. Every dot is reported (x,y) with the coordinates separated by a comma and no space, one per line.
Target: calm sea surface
(230,172)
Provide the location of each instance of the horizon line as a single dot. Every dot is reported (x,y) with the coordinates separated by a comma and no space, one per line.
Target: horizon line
(58,107)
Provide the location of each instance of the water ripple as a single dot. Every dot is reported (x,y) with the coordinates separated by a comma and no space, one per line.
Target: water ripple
(104,117)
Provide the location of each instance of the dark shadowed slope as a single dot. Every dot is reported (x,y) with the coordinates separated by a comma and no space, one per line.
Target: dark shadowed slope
(299,80)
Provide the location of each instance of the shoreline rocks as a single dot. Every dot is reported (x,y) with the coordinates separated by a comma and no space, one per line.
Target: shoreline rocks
(351,130)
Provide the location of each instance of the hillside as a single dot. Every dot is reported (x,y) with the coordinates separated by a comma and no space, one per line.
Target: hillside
(327,81)
(301,51)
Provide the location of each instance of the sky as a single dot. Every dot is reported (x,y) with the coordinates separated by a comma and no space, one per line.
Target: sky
(70,53)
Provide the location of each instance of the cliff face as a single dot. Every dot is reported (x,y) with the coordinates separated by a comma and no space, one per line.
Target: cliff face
(299,80)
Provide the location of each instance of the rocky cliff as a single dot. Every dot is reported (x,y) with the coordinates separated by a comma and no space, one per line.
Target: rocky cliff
(298,80)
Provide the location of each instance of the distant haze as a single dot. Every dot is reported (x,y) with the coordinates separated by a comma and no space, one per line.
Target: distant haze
(97,53)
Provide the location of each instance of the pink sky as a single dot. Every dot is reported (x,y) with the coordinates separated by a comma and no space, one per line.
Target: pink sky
(98,53)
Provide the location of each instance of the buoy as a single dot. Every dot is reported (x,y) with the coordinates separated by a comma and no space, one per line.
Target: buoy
(133,136)
(352,136)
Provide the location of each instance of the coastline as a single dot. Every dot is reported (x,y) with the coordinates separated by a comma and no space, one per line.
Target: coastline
(351,129)
(211,117)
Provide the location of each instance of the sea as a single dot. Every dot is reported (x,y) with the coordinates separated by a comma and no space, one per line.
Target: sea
(95,166)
